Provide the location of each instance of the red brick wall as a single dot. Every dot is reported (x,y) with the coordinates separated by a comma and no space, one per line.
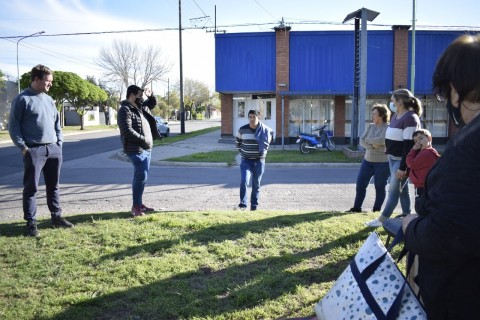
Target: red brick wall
(400,57)
(226,101)
(339,115)
(282,35)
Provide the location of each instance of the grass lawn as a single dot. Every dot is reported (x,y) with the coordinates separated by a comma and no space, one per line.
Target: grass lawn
(274,156)
(177,265)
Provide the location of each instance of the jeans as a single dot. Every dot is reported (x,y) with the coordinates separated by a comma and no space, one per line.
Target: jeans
(380,172)
(398,189)
(141,166)
(251,169)
(47,159)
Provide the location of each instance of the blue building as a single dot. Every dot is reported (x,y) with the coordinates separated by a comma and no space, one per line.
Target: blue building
(300,79)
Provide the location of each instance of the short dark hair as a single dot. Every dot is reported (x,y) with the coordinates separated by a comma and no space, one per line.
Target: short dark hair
(459,65)
(133,89)
(425,132)
(383,111)
(255,112)
(39,71)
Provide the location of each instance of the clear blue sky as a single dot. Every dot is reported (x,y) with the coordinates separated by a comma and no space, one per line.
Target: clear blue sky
(77,53)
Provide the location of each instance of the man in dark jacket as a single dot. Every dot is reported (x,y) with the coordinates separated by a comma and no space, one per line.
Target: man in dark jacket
(138,129)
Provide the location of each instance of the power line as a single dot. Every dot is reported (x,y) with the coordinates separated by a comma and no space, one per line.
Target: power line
(264,9)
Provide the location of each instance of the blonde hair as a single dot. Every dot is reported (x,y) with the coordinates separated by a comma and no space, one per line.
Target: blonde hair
(409,100)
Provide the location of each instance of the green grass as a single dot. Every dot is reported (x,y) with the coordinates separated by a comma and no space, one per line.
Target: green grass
(179,137)
(274,156)
(177,265)
(4,135)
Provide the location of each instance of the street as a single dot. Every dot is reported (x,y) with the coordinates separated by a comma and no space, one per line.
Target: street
(94,180)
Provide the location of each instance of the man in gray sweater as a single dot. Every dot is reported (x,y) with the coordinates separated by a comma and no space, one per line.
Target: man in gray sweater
(34,127)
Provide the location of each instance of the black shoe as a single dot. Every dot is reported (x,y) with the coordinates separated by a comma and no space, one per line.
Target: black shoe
(354,210)
(253,208)
(376,210)
(59,222)
(32,230)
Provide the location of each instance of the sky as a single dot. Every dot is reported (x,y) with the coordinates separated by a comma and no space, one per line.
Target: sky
(76,30)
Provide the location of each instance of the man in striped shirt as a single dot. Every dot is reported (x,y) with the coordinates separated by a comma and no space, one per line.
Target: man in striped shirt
(253,140)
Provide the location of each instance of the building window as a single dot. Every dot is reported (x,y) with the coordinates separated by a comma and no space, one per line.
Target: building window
(435,118)
(268,110)
(309,113)
(241,109)
(369,103)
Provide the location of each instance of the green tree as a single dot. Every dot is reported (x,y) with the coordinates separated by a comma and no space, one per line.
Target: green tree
(195,93)
(79,93)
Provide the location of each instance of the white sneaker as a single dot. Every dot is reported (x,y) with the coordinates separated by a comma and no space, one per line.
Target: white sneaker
(375,223)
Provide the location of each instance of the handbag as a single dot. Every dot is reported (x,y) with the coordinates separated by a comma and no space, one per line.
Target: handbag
(371,287)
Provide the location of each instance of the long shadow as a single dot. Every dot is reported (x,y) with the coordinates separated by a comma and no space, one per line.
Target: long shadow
(207,293)
(222,232)
(17,228)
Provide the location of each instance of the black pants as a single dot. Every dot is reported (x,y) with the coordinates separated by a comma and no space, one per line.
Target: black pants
(46,159)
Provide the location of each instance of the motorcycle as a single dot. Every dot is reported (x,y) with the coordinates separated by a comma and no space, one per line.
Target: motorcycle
(320,141)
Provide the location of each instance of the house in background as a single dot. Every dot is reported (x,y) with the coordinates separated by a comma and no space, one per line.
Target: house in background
(299,80)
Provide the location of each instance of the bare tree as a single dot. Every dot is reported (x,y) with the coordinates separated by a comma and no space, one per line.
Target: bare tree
(128,63)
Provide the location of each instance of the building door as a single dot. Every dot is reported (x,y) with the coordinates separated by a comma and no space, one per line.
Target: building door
(267,110)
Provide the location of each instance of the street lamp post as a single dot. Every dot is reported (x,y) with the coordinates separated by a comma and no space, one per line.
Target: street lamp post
(18,70)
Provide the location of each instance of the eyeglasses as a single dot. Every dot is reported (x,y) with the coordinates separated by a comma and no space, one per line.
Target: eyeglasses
(440,97)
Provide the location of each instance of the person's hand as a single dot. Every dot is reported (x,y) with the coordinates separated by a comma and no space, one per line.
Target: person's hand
(147,91)
(24,151)
(400,174)
(407,219)
(417,146)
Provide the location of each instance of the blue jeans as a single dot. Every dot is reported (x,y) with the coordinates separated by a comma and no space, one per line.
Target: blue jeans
(141,166)
(398,189)
(47,159)
(250,169)
(380,172)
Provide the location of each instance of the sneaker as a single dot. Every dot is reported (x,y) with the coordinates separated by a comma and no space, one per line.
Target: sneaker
(146,209)
(137,211)
(354,210)
(253,208)
(32,230)
(376,210)
(375,223)
(59,222)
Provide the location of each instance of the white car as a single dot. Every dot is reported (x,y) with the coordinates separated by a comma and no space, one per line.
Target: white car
(162,126)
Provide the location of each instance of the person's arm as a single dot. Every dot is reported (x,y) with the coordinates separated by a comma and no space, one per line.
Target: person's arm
(124,121)
(14,123)
(238,141)
(364,141)
(378,141)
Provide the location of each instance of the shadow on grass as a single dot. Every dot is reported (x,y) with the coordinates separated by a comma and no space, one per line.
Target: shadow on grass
(222,232)
(17,228)
(210,293)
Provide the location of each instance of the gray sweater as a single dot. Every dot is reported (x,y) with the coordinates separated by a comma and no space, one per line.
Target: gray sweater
(34,120)
(373,140)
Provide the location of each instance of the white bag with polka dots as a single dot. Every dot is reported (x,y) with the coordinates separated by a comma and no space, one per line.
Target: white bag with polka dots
(371,287)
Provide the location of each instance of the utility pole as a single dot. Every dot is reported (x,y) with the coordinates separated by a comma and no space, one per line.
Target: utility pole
(412,68)
(182,106)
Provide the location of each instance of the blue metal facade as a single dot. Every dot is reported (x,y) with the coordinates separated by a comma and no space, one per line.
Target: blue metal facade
(323,62)
(245,62)
(429,45)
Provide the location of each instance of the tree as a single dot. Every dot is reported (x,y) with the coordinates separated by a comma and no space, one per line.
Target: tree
(129,64)
(69,87)
(195,93)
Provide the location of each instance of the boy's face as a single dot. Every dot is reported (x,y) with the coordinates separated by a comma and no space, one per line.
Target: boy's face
(422,141)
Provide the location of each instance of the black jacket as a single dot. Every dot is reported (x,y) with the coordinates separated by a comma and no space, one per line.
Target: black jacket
(130,124)
(447,234)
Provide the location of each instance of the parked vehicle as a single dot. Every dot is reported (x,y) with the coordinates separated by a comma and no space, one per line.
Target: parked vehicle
(320,141)
(162,126)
